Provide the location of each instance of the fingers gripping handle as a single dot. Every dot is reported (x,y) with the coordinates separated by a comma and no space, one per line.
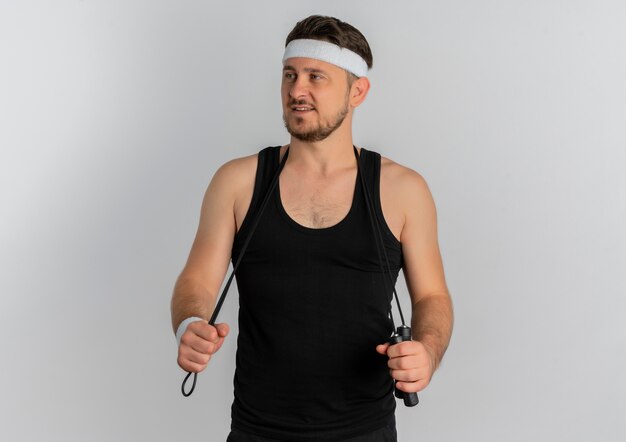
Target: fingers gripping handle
(211,322)
(403,333)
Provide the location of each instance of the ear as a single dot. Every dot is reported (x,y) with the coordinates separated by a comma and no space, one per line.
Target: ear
(359,91)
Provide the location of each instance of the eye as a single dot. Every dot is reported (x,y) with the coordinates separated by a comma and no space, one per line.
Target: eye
(289,75)
(316,77)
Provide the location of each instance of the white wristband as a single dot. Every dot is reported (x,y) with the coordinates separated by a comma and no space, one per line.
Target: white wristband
(183,326)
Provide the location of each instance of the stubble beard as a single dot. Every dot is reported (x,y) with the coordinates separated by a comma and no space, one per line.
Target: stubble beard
(322,131)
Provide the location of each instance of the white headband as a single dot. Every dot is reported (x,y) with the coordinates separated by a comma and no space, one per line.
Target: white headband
(328,52)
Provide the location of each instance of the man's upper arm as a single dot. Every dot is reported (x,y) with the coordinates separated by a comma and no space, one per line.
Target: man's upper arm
(423,267)
(210,253)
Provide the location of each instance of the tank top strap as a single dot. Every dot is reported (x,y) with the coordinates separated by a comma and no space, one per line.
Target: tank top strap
(267,164)
(368,164)
(372,178)
(369,160)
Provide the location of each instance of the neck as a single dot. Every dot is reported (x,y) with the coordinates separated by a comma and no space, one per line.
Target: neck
(322,157)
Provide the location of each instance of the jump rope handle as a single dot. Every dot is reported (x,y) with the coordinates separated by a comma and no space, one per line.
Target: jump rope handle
(403,333)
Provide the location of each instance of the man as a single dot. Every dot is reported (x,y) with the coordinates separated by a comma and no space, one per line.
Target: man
(313,361)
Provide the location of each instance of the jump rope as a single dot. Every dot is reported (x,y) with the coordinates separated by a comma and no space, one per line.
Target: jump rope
(399,334)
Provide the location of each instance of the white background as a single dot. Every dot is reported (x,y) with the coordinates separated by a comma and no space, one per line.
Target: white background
(114,115)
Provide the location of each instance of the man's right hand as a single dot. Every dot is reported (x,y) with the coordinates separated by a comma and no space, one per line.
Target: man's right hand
(199,342)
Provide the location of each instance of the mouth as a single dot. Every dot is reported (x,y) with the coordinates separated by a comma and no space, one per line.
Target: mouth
(302,109)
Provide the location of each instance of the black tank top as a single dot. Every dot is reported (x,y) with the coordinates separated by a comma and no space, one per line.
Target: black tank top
(312,308)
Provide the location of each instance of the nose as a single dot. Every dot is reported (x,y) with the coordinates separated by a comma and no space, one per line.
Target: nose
(299,88)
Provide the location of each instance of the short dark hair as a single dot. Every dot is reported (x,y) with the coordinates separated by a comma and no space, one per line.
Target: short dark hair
(333,30)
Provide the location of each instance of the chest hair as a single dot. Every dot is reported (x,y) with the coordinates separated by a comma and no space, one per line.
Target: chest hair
(317,206)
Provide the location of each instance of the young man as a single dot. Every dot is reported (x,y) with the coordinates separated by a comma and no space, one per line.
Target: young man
(313,361)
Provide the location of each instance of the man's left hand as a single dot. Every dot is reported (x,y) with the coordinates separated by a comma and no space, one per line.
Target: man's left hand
(411,364)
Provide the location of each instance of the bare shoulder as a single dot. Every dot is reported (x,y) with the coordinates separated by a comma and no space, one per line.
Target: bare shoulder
(406,199)
(232,180)
(403,181)
(233,183)
(237,171)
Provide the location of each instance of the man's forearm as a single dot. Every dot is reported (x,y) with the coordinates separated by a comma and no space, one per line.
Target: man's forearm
(190,299)
(432,322)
